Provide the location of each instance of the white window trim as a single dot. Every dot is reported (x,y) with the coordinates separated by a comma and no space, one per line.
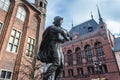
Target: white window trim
(7,71)
(22,14)
(26,46)
(7,5)
(1,27)
(19,41)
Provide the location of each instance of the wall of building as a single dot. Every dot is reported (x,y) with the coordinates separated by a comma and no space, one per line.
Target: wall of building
(91,39)
(117,55)
(28,28)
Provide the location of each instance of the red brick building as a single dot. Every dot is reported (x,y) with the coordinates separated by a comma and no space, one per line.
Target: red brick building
(21,27)
(90,56)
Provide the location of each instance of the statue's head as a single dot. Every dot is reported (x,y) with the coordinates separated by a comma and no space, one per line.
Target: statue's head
(58,21)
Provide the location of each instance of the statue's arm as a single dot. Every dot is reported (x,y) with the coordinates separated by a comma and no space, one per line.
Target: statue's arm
(63,32)
(66,35)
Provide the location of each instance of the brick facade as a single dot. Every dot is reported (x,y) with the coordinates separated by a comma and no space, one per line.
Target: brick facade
(101,35)
(32,26)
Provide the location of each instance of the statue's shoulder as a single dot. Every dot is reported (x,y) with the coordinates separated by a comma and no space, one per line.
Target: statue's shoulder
(50,27)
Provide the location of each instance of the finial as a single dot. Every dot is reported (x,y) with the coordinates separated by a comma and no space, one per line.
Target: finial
(91,15)
(100,18)
(72,24)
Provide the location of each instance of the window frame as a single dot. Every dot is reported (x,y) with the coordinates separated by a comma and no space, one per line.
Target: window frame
(19,14)
(70,58)
(80,71)
(1,23)
(78,55)
(70,73)
(91,69)
(29,48)
(103,68)
(99,50)
(15,38)
(90,29)
(89,53)
(6,73)
(4,5)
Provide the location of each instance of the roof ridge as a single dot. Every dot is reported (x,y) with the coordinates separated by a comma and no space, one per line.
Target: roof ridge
(83,23)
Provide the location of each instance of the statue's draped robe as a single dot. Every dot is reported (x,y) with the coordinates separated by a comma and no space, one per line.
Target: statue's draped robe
(51,51)
(44,52)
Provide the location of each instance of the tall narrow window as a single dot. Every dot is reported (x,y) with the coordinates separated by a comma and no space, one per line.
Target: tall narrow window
(70,72)
(30,47)
(14,41)
(99,50)
(78,55)
(70,58)
(5,75)
(1,27)
(90,29)
(4,4)
(88,53)
(21,13)
(90,69)
(80,71)
(103,68)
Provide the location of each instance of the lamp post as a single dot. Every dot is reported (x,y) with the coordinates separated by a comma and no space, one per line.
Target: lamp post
(97,65)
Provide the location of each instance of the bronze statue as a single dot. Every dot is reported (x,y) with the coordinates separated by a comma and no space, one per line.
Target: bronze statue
(51,50)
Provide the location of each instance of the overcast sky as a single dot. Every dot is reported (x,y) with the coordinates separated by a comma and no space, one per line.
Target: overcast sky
(79,11)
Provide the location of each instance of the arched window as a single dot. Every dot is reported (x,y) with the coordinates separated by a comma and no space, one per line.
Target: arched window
(88,53)
(78,55)
(70,57)
(21,13)
(4,4)
(99,50)
(103,68)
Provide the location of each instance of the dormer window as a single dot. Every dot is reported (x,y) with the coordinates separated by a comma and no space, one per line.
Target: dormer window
(90,29)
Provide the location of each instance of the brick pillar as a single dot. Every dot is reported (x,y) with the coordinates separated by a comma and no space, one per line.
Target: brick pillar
(21,48)
(7,22)
(19,55)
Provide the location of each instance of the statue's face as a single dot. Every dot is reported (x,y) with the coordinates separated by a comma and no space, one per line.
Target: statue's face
(61,21)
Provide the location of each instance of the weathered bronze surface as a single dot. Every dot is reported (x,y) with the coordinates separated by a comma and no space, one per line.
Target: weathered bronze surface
(51,50)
